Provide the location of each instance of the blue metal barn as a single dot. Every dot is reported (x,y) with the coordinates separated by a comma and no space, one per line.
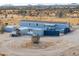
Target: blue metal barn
(45,28)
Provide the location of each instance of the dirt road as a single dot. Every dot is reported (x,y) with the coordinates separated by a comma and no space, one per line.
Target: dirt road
(49,46)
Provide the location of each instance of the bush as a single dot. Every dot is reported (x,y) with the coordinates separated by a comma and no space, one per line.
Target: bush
(35,39)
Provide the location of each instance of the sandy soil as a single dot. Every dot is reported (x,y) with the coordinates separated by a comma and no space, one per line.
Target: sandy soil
(48,46)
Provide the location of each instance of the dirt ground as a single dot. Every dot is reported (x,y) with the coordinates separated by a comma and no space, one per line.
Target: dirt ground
(48,46)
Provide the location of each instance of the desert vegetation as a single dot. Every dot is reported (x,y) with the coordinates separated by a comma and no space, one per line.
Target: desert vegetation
(62,13)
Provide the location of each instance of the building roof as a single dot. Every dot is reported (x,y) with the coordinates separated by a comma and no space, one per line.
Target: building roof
(44,21)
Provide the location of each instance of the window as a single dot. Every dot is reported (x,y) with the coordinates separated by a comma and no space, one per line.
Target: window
(36,24)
